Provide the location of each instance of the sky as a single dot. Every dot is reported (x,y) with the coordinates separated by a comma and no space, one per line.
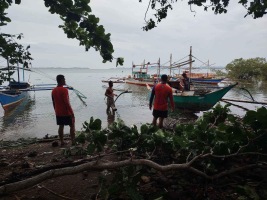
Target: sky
(218,39)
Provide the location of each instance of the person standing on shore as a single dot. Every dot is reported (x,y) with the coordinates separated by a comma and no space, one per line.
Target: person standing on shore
(110,97)
(162,93)
(63,109)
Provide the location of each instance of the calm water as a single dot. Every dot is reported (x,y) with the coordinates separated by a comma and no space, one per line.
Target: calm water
(35,116)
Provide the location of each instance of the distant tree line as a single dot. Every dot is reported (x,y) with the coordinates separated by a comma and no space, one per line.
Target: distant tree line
(252,69)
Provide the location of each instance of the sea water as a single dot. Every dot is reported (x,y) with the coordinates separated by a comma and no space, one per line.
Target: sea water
(35,116)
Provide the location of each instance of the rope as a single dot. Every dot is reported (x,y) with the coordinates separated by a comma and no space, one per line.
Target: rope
(126,91)
(235,105)
(248,93)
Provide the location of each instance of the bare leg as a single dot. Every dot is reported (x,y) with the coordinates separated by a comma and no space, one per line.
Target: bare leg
(161,122)
(72,134)
(154,122)
(61,134)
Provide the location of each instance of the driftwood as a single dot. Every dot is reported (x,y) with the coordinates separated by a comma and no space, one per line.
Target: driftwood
(109,165)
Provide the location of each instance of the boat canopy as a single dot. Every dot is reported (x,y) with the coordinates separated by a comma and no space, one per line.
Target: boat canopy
(141,75)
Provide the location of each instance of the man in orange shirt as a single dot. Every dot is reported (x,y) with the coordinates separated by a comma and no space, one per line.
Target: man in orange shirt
(162,93)
(63,110)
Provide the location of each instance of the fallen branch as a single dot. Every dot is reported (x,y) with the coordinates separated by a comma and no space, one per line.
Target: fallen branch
(98,165)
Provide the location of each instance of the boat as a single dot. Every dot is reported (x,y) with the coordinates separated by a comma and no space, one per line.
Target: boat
(140,76)
(198,100)
(114,80)
(212,81)
(15,92)
(10,98)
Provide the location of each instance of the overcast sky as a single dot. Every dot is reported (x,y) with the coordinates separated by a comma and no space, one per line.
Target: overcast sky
(217,38)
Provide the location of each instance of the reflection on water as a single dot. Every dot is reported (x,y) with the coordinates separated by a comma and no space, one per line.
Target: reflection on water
(110,117)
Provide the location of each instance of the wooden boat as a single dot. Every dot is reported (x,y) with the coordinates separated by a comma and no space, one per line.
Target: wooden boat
(140,82)
(140,76)
(212,81)
(14,93)
(114,80)
(198,101)
(11,98)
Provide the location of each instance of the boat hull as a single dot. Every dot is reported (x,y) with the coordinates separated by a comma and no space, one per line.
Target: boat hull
(9,100)
(140,83)
(200,102)
(206,81)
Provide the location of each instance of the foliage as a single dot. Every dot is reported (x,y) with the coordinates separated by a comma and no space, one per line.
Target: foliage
(13,53)
(254,7)
(79,23)
(224,142)
(248,69)
(219,73)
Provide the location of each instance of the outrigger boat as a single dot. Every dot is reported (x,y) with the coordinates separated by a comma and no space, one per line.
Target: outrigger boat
(114,80)
(16,92)
(140,74)
(196,101)
(11,98)
(206,80)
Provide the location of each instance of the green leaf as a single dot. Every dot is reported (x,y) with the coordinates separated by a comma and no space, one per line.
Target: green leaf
(95,125)
(91,148)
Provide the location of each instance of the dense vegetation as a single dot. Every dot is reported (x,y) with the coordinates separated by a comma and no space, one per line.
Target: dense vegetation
(217,157)
(220,156)
(253,69)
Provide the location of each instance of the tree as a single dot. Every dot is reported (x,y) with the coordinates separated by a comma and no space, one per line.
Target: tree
(13,53)
(79,23)
(250,69)
(256,8)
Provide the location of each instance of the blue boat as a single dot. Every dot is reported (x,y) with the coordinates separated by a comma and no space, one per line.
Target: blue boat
(10,98)
(206,80)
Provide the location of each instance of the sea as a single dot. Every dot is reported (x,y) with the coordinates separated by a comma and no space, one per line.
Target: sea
(35,117)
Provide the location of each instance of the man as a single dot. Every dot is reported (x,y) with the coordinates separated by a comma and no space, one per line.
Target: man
(162,93)
(186,82)
(110,97)
(63,110)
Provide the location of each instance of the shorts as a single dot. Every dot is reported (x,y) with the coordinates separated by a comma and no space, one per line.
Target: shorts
(160,113)
(64,120)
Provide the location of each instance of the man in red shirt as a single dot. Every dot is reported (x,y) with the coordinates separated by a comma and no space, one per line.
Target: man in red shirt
(162,93)
(63,110)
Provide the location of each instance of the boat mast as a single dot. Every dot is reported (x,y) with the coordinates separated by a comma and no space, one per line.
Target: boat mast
(8,70)
(159,69)
(190,62)
(18,71)
(170,64)
(208,69)
(23,72)
(132,68)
